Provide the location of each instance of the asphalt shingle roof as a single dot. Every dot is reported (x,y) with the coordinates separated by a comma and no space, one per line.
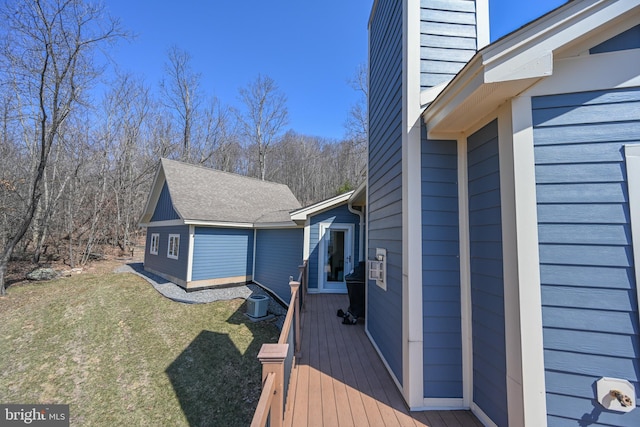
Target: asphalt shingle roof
(203,194)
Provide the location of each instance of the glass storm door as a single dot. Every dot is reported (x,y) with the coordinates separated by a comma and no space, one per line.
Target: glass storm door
(336,256)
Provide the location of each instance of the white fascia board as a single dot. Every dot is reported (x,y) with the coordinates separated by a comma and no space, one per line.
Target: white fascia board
(167,223)
(287,224)
(522,58)
(154,194)
(302,214)
(529,53)
(199,223)
(362,189)
(427,96)
(539,64)
(591,72)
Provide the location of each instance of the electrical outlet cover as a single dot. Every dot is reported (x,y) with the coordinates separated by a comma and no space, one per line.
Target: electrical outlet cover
(604,386)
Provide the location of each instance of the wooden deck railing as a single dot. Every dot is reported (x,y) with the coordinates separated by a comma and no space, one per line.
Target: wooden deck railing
(278,360)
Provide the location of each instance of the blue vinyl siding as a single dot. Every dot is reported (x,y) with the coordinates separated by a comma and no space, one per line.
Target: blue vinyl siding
(441,270)
(629,39)
(384,311)
(278,255)
(164,208)
(174,267)
(338,215)
(222,252)
(487,282)
(447,39)
(589,303)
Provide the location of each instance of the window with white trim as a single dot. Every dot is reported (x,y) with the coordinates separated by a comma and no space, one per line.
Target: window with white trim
(173,248)
(155,241)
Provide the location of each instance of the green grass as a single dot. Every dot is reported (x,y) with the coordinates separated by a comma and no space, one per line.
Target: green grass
(121,354)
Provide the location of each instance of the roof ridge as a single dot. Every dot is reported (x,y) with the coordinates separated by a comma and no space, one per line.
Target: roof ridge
(206,168)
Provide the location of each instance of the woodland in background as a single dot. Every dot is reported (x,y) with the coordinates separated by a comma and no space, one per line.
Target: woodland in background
(76,167)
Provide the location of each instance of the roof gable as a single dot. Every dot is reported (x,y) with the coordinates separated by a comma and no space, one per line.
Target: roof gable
(164,210)
(519,60)
(324,205)
(629,39)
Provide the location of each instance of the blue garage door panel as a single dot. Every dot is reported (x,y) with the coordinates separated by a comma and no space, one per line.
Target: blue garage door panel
(222,252)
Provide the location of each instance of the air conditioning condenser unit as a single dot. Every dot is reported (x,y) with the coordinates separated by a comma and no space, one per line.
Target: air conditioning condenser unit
(257,306)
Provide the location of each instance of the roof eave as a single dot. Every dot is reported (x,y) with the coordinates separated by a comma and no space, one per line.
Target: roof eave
(222,224)
(514,63)
(359,196)
(303,213)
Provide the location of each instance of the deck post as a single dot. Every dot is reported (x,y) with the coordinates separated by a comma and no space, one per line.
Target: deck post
(272,357)
(295,290)
(303,282)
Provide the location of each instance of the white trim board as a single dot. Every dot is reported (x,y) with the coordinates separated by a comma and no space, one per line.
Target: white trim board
(632,157)
(167,223)
(349,243)
(512,332)
(528,265)
(412,310)
(465,274)
(192,236)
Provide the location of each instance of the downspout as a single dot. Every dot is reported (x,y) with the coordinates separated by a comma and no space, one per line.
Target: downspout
(255,240)
(361,230)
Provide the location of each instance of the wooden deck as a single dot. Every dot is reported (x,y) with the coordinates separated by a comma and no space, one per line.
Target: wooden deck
(340,380)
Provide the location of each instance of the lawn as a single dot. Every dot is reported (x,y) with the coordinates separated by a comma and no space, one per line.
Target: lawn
(119,353)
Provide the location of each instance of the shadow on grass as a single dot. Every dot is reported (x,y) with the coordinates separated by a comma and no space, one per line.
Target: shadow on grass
(138,267)
(215,383)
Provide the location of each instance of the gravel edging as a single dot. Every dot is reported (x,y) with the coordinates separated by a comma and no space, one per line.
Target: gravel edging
(176,293)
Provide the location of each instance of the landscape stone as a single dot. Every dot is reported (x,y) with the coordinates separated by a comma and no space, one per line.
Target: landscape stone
(40,274)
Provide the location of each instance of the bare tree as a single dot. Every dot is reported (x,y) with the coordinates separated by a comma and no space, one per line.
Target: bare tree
(357,124)
(181,93)
(357,127)
(264,117)
(48,55)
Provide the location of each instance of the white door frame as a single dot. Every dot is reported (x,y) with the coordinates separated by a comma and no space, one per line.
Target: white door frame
(349,230)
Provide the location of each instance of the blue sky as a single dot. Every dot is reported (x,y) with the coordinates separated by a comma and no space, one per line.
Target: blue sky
(311,49)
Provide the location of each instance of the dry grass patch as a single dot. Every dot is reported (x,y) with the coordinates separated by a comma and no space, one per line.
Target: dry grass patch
(121,354)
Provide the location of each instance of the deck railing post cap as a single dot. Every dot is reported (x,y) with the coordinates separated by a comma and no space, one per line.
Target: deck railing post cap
(273,353)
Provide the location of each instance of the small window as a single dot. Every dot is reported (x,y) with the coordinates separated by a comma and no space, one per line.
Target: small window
(174,246)
(155,240)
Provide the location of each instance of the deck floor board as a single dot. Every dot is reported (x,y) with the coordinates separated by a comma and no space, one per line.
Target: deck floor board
(339,379)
